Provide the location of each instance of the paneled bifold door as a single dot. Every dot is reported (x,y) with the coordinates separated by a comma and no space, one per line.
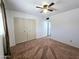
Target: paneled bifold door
(25,29)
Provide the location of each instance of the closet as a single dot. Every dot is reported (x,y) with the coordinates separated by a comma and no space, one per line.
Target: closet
(25,29)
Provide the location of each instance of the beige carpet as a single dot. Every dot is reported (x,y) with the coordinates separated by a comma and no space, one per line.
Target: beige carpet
(44,48)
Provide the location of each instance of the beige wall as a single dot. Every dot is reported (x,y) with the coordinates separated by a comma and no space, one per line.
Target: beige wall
(40,27)
(65,27)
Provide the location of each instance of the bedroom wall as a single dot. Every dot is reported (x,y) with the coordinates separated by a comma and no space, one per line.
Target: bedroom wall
(65,27)
(40,27)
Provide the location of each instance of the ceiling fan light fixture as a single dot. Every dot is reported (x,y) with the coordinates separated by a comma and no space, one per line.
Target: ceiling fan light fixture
(45,11)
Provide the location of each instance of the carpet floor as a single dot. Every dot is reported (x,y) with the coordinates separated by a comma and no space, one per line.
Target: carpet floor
(44,48)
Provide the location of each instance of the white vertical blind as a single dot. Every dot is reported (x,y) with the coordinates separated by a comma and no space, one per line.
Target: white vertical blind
(1,36)
(45,27)
(1,24)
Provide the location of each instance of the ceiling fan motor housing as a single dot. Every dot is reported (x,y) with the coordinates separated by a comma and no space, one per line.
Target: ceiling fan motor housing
(45,6)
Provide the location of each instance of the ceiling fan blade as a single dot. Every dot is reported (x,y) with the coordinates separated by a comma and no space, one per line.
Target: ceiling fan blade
(41,11)
(53,9)
(51,4)
(50,10)
(38,7)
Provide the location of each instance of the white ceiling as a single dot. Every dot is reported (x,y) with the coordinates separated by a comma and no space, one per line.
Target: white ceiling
(29,6)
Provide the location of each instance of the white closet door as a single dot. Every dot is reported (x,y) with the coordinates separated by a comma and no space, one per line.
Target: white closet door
(20,30)
(24,30)
(31,29)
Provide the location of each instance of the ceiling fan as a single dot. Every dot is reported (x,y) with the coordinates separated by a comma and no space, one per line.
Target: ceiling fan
(46,7)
